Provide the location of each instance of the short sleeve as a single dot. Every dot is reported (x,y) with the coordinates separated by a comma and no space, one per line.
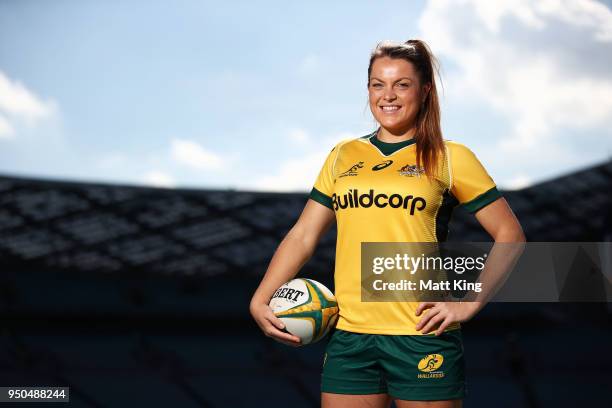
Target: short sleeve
(323,188)
(470,182)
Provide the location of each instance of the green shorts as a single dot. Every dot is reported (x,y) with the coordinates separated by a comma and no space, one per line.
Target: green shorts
(419,367)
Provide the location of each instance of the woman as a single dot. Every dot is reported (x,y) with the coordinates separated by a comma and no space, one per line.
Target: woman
(397,184)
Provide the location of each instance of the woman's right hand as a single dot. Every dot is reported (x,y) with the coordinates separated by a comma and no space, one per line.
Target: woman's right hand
(272,325)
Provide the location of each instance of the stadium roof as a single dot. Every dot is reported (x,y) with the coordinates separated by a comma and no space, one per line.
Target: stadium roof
(108,228)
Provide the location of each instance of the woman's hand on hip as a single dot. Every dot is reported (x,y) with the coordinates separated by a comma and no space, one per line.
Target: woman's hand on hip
(443,314)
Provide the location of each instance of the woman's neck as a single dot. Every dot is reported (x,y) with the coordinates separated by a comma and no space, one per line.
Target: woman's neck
(386,136)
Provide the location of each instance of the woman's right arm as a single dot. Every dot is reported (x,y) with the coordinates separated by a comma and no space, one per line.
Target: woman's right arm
(292,253)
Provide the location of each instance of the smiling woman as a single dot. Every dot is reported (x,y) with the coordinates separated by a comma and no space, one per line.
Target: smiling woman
(398,183)
(395,96)
(404,99)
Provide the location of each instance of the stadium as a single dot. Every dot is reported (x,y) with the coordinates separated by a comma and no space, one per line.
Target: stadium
(139,296)
(167,167)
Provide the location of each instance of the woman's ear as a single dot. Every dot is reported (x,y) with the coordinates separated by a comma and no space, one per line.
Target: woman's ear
(426,89)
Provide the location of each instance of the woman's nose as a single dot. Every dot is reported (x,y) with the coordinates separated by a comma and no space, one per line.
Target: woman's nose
(389,94)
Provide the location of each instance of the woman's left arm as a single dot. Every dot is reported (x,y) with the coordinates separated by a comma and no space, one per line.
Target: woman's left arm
(500,222)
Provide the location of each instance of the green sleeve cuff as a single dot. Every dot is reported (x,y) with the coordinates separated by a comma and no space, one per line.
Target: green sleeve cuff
(482,200)
(321,198)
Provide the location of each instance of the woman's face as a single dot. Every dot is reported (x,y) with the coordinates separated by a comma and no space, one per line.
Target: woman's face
(395,93)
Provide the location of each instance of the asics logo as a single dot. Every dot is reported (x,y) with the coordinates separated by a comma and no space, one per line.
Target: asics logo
(382,165)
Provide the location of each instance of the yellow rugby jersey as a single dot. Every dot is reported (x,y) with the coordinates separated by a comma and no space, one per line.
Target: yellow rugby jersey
(379,195)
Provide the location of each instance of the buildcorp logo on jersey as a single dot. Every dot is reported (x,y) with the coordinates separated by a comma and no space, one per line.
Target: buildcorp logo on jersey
(354,199)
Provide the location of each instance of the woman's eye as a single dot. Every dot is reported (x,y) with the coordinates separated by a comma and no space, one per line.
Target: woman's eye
(404,85)
(377,85)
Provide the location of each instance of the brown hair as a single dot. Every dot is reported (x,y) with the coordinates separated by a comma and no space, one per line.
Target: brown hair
(428,134)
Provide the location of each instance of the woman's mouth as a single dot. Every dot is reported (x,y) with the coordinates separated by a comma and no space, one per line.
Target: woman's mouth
(390,109)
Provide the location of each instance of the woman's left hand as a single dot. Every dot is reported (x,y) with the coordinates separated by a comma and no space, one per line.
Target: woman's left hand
(444,313)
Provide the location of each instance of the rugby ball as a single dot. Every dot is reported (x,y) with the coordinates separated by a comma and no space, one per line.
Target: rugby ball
(307,308)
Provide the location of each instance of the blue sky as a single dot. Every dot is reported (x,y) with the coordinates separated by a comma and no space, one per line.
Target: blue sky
(253,95)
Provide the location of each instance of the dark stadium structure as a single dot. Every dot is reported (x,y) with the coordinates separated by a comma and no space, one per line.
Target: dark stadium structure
(139,297)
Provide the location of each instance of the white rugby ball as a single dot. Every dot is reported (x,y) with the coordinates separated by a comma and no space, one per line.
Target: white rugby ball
(306,307)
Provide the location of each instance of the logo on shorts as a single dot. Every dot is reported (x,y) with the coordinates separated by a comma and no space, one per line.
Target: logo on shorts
(429,365)
(324,358)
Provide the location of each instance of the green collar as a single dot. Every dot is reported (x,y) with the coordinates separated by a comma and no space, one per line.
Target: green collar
(387,148)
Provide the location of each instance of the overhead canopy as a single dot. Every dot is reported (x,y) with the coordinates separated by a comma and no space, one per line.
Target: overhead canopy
(109,228)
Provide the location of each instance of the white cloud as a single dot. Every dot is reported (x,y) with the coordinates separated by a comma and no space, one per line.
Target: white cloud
(544,66)
(299,136)
(518,182)
(537,15)
(491,12)
(292,175)
(158,178)
(192,154)
(589,14)
(299,174)
(18,104)
(6,130)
